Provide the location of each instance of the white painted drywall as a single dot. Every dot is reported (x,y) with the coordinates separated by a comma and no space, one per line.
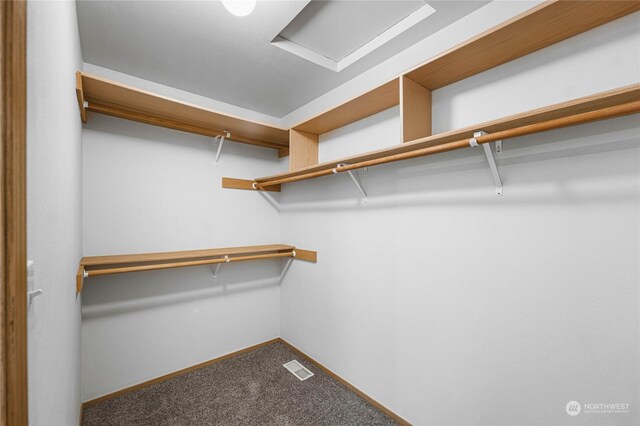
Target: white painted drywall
(53,211)
(148,189)
(451,305)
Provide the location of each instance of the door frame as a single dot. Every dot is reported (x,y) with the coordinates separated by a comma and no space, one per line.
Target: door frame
(13,232)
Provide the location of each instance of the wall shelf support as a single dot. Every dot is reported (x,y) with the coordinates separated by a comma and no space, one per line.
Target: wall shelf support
(31,293)
(489,154)
(287,266)
(221,142)
(218,266)
(355,180)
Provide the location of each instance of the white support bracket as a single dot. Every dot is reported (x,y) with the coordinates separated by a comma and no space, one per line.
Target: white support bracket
(287,265)
(221,139)
(489,154)
(31,294)
(355,180)
(215,273)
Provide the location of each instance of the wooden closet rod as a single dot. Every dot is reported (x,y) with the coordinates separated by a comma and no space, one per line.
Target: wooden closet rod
(585,117)
(96,272)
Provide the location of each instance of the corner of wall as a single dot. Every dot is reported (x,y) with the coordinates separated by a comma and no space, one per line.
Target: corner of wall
(54,212)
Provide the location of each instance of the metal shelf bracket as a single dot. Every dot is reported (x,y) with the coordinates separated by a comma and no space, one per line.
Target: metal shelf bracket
(31,294)
(489,154)
(221,139)
(287,265)
(355,180)
(215,273)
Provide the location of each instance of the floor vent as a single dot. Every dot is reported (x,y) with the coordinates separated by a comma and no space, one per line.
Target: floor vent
(298,370)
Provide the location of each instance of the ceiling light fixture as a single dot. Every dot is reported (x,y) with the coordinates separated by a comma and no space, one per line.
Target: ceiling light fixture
(240,7)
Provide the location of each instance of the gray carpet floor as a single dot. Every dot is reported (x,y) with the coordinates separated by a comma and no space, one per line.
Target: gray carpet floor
(250,389)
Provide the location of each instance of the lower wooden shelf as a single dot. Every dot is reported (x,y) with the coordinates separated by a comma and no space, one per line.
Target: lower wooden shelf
(117,264)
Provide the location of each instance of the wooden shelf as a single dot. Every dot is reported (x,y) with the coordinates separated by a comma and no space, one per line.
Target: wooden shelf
(121,263)
(108,97)
(539,27)
(613,103)
(377,100)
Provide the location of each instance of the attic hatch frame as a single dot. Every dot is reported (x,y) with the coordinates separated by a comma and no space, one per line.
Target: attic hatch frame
(308,54)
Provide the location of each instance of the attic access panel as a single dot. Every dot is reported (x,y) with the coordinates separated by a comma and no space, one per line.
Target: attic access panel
(334,34)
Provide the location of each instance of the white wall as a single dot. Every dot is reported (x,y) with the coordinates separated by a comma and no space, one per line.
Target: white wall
(53,211)
(149,189)
(453,306)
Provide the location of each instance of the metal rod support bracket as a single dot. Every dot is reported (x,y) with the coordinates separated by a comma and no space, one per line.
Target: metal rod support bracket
(286,267)
(215,273)
(31,294)
(355,180)
(221,139)
(492,162)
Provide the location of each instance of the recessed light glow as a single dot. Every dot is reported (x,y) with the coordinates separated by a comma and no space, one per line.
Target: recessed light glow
(240,7)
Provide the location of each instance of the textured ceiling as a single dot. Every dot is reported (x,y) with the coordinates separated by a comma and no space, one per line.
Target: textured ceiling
(199,47)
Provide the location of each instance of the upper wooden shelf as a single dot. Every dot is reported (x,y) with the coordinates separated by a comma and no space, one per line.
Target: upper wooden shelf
(121,263)
(377,100)
(539,27)
(613,103)
(108,97)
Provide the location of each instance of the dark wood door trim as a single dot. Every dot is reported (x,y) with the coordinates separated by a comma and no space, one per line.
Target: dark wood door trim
(13,253)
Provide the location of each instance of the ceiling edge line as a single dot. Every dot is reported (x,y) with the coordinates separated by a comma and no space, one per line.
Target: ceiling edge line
(389,34)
